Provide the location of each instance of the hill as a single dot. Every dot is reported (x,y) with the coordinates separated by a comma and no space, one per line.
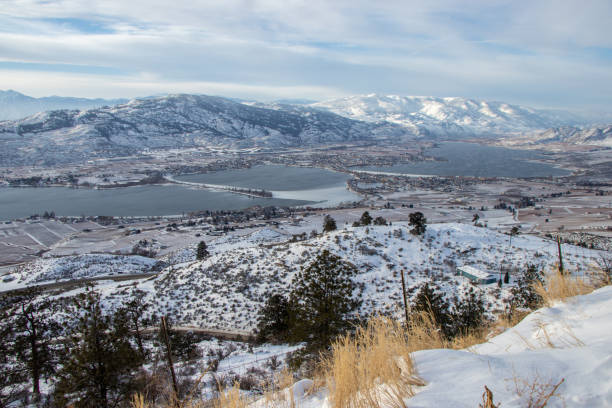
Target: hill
(176,121)
(449,117)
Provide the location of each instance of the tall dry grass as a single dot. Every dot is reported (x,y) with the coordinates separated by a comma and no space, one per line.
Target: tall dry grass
(559,287)
(373,367)
(230,398)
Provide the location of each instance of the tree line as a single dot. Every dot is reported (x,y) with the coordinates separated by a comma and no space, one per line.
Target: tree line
(87,354)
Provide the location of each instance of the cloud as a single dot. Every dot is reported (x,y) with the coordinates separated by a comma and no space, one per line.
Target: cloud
(146,83)
(544,52)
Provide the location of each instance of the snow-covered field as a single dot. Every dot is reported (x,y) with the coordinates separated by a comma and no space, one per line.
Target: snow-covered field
(569,342)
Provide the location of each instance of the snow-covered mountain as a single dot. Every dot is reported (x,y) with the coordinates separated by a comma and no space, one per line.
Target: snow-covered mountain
(448,117)
(598,135)
(176,121)
(15,105)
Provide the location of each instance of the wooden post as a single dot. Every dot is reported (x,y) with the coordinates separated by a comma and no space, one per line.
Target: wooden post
(560,256)
(164,329)
(404,294)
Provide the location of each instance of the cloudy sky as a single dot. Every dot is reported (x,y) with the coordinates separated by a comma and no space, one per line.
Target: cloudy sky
(548,53)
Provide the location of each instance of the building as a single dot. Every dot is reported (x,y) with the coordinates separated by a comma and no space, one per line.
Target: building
(476,275)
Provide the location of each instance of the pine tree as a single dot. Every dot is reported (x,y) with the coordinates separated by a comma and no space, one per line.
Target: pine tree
(469,311)
(380,221)
(507,277)
(202,251)
(366,218)
(329,224)
(273,324)
(418,222)
(429,301)
(34,330)
(323,300)
(135,310)
(10,376)
(524,294)
(99,364)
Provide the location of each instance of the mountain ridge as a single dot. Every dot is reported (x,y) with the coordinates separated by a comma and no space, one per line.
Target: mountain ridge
(15,105)
(176,121)
(430,116)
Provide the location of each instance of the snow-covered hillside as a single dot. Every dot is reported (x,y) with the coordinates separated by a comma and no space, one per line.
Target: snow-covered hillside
(15,105)
(226,290)
(447,117)
(49,270)
(176,121)
(568,344)
(597,135)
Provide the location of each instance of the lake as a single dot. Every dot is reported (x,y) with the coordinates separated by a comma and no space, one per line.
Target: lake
(296,187)
(476,160)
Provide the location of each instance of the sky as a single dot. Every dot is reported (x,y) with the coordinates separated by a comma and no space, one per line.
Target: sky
(542,53)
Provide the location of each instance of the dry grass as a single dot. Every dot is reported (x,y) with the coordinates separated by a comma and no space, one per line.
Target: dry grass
(373,367)
(230,398)
(537,391)
(275,395)
(487,399)
(558,287)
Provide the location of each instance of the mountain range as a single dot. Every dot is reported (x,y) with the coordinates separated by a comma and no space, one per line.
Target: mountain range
(15,105)
(449,117)
(183,121)
(177,121)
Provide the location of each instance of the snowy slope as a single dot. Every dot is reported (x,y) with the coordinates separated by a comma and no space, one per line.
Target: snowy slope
(598,135)
(447,117)
(176,121)
(49,270)
(226,290)
(569,342)
(15,105)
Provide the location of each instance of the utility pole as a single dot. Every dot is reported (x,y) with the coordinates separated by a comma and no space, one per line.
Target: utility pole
(164,329)
(404,294)
(560,256)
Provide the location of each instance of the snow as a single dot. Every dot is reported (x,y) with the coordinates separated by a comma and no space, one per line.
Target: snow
(570,342)
(451,116)
(48,270)
(227,289)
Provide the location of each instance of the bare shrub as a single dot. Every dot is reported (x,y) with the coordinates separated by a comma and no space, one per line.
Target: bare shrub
(537,391)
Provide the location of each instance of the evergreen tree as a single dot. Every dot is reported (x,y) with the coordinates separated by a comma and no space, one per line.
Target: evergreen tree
(100,362)
(34,330)
(135,310)
(323,300)
(366,218)
(273,324)
(10,376)
(507,277)
(329,224)
(429,301)
(469,311)
(182,343)
(418,222)
(202,251)
(524,294)
(380,221)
